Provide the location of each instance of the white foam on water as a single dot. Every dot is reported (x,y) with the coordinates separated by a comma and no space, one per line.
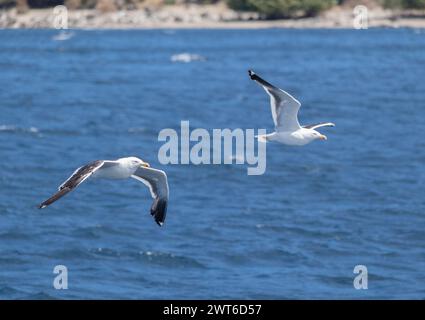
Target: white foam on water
(63,36)
(7,128)
(12,128)
(187,57)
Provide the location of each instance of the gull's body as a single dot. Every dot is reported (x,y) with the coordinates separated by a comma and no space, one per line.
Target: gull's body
(284,109)
(122,168)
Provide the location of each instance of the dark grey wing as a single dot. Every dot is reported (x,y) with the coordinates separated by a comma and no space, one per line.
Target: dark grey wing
(79,176)
(157,182)
(318,125)
(284,107)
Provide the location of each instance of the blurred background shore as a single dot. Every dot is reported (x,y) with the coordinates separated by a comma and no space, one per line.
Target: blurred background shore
(126,14)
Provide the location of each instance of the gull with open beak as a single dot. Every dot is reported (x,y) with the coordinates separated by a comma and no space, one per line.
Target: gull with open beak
(123,168)
(284,109)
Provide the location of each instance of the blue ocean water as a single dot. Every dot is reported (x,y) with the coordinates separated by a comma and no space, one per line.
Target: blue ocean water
(297,231)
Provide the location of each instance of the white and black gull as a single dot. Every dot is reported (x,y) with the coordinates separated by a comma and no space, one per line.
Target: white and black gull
(123,168)
(284,109)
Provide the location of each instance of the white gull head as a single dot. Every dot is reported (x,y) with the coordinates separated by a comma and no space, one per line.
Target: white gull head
(314,135)
(133,162)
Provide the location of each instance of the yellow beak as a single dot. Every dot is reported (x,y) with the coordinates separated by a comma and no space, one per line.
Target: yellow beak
(146,165)
(323,137)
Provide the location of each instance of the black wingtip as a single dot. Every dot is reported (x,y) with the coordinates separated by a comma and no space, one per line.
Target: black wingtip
(159,211)
(43,205)
(251,74)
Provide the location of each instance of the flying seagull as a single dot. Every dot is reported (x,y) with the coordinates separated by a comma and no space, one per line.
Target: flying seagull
(285,116)
(122,168)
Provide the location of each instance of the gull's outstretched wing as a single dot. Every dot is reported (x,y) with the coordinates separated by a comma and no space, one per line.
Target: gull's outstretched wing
(157,182)
(318,125)
(79,176)
(284,106)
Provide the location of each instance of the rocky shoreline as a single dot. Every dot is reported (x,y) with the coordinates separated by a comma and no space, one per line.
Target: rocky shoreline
(202,16)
